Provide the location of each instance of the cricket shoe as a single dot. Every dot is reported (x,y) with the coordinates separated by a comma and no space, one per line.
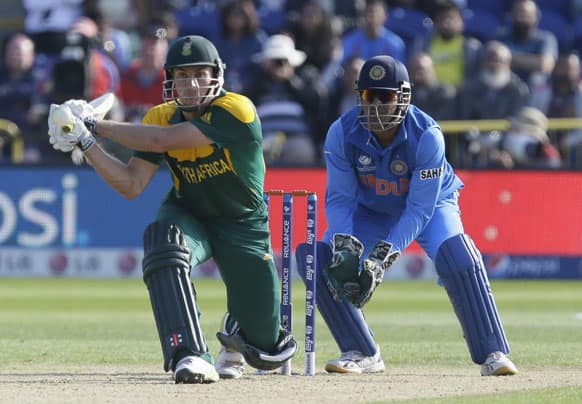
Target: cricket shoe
(229,364)
(356,362)
(195,370)
(497,364)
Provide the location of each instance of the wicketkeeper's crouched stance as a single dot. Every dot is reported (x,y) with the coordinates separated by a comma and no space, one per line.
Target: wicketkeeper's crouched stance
(212,143)
(389,183)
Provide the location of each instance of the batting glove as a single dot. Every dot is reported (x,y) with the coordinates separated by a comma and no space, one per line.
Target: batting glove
(80,108)
(60,140)
(79,136)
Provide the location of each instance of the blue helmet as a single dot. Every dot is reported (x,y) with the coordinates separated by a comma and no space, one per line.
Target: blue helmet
(384,93)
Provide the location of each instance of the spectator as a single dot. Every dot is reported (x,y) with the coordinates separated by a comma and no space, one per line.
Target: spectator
(48,21)
(455,57)
(433,97)
(82,69)
(128,15)
(342,93)
(114,42)
(240,37)
(373,38)
(103,72)
(534,51)
(141,82)
(526,144)
(18,92)
(314,34)
(561,97)
(497,93)
(272,14)
(168,24)
(288,102)
(345,14)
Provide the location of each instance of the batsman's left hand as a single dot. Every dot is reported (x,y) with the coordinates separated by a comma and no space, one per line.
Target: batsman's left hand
(372,273)
(78,135)
(57,137)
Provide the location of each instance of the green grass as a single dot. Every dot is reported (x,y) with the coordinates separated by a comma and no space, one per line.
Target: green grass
(562,395)
(56,322)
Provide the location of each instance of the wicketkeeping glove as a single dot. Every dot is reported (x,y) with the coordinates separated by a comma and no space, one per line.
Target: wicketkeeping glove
(372,273)
(341,275)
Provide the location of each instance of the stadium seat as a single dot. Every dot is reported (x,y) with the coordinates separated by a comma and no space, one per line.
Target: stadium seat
(481,24)
(559,26)
(409,24)
(578,35)
(498,8)
(198,20)
(271,20)
(563,7)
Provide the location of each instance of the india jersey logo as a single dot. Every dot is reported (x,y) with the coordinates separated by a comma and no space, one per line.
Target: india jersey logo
(377,72)
(398,167)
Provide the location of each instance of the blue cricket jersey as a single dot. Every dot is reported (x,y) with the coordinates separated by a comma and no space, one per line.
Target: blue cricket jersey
(403,182)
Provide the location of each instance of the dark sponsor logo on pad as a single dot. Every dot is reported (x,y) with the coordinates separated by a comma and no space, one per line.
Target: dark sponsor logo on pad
(430,173)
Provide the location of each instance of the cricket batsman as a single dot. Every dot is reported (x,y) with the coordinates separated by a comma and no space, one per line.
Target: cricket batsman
(211,141)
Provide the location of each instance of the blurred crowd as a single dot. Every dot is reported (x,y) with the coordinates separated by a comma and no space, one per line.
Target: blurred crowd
(298,60)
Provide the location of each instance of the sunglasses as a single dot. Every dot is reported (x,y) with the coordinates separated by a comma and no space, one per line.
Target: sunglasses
(384,95)
(279,62)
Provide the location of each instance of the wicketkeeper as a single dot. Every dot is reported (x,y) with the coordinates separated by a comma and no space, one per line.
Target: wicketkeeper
(389,183)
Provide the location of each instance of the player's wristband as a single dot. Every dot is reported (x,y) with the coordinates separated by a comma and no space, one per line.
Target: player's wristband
(86,142)
(91,124)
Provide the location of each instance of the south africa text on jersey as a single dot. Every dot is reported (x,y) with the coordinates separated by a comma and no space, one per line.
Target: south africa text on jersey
(204,171)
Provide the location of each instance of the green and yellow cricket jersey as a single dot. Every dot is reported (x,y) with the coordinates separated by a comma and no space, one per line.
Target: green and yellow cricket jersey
(224,179)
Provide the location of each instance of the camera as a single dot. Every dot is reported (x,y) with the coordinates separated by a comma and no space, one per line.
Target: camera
(71,72)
